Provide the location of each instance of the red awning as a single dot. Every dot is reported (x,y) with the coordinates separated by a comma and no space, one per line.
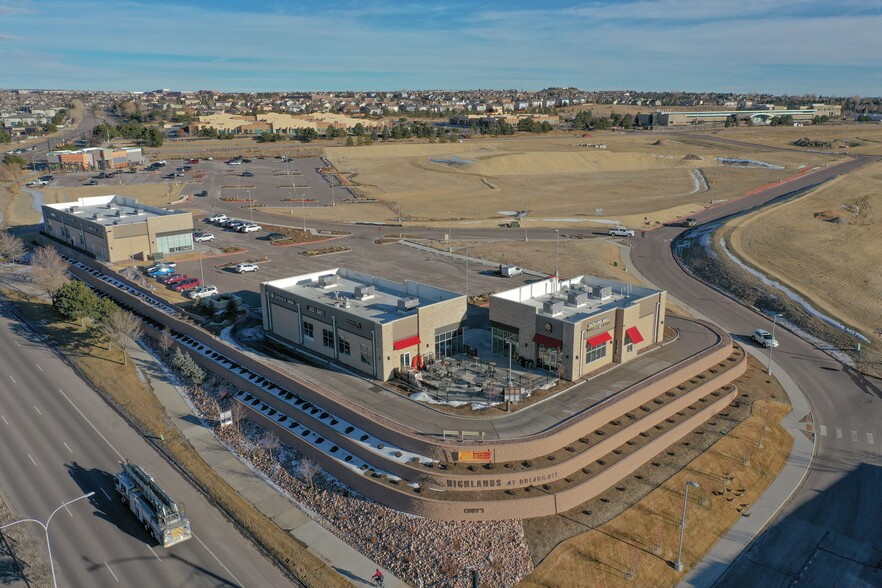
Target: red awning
(634,334)
(600,339)
(406,342)
(547,341)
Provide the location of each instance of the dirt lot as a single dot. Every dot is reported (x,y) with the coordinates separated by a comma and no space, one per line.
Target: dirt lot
(636,178)
(817,245)
(855,138)
(611,546)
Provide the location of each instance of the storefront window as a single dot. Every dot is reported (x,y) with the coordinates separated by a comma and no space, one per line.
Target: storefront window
(595,353)
(500,336)
(449,343)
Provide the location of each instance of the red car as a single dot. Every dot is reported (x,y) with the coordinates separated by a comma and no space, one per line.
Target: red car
(192,161)
(187,284)
(173,279)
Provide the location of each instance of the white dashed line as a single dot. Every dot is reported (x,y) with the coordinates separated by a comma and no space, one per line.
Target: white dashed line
(4,419)
(870,438)
(67,446)
(111,572)
(154,553)
(38,367)
(854,436)
(105,494)
(217,559)
(17,343)
(37,409)
(838,433)
(32,459)
(13,380)
(823,430)
(94,428)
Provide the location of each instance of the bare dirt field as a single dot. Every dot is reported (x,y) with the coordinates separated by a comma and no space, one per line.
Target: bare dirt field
(825,245)
(637,179)
(854,138)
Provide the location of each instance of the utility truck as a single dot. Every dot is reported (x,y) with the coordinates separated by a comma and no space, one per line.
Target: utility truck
(161,516)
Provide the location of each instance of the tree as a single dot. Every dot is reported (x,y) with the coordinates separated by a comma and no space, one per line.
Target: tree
(238,412)
(307,134)
(121,327)
(76,301)
(187,367)
(308,470)
(11,247)
(49,270)
(165,340)
(349,141)
(12,159)
(358,130)
(270,442)
(5,136)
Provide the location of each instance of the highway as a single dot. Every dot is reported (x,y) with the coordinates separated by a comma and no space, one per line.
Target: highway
(836,513)
(60,441)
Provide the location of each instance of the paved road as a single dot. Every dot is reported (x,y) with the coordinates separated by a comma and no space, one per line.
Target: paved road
(61,441)
(828,532)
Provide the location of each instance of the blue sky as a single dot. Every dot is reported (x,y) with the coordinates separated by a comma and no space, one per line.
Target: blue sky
(776,46)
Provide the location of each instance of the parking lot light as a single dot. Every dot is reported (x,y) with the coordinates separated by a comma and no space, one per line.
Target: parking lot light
(771,343)
(678,565)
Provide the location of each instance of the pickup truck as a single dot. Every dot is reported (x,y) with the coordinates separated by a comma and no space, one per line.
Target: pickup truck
(620,232)
(38,183)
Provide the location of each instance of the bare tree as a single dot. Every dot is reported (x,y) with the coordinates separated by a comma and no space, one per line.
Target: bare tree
(165,340)
(121,327)
(308,470)
(238,412)
(270,442)
(50,270)
(11,247)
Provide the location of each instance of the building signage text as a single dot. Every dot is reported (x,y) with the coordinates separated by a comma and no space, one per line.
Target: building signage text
(498,483)
(353,323)
(598,323)
(315,310)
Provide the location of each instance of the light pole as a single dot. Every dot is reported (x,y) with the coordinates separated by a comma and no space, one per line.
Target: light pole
(250,206)
(510,353)
(333,196)
(449,233)
(46,530)
(524,220)
(556,253)
(303,208)
(290,205)
(201,270)
(678,565)
(771,343)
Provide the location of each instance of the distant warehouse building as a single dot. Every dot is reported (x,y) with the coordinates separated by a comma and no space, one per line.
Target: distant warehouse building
(577,326)
(115,228)
(94,158)
(368,323)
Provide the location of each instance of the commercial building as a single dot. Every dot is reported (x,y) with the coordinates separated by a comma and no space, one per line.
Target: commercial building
(115,228)
(577,326)
(275,122)
(94,158)
(368,323)
(760,114)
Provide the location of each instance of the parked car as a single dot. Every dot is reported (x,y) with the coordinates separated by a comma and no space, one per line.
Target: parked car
(234,162)
(38,183)
(249,228)
(162,264)
(192,161)
(160,271)
(91,183)
(277,237)
(200,237)
(764,338)
(187,284)
(620,232)
(202,193)
(246,161)
(247,174)
(246,267)
(235,224)
(202,292)
(690,222)
(173,279)
(218,218)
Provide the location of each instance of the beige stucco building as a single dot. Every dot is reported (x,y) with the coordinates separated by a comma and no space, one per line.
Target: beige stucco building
(368,323)
(115,228)
(577,326)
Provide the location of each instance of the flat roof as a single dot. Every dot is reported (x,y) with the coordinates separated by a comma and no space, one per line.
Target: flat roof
(111,210)
(339,286)
(594,295)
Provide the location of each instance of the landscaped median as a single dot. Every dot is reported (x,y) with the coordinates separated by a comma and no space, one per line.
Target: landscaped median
(121,386)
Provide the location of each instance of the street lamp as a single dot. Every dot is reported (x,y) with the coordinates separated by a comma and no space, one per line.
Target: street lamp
(46,530)
(556,253)
(449,233)
(510,353)
(250,206)
(774,324)
(678,565)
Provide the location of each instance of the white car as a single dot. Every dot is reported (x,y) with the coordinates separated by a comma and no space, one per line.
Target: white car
(218,218)
(200,237)
(234,162)
(38,183)
(764,338)
(249,228)
(620,232)
(202,292)
(246,267)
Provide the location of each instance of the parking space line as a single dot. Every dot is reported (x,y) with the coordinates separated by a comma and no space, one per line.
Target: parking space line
(838,433)
(823,430)
(111,572)
(67,446)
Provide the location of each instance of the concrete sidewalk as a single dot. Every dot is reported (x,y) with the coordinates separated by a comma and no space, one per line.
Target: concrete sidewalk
(348,562)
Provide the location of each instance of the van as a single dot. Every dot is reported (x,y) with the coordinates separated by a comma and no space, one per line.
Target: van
(509,271)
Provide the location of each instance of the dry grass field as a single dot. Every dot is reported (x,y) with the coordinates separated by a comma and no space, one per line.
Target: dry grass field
(855,138)
(638,178)
(825,245)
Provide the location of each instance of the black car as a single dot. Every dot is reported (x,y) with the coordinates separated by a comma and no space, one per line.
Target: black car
(246,161)
(202,193)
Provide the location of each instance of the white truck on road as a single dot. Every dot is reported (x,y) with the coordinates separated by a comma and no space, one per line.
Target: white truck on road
(161,516)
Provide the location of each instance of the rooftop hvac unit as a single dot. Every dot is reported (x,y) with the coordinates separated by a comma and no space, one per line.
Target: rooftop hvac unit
(120,213)
(74,209)
(576,298)
(409,303)
(327,281)
(98,216)
(111,206)
(364,292)
(553,307)
(601,292)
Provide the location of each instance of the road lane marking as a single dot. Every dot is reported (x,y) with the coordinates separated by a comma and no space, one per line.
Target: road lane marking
(38,367)
(217,559)
(838,433)
(823,430)
(854,436)
(94,428)
(105,494)
(111,571)
(154,553)
(68,446)
(37,409)
(870,438)
(17,343)
(4,419)
(32,459)
(13,380)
